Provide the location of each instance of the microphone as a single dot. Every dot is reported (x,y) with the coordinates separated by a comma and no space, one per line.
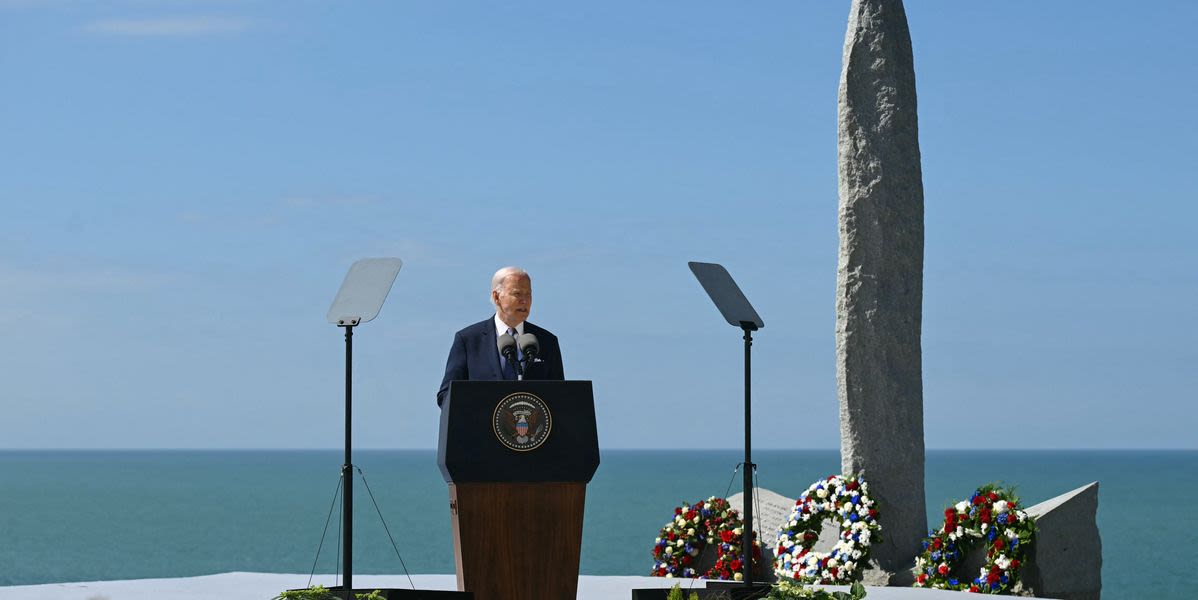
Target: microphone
(507,348)
(529,346)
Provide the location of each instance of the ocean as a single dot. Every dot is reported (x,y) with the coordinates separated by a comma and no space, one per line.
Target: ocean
(103,515)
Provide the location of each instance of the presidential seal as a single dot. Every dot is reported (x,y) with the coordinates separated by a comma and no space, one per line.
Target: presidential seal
(522,421)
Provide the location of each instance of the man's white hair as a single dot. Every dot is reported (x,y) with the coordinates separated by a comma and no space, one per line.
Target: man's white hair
(504,273)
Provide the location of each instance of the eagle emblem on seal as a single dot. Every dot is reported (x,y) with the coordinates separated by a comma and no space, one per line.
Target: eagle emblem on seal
(522,421)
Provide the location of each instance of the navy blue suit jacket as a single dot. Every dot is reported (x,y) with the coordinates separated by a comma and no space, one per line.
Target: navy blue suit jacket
(474,356)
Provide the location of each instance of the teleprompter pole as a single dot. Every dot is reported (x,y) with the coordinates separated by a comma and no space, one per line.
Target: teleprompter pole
(347,475)
(358,301)
(738,312)
(747,534)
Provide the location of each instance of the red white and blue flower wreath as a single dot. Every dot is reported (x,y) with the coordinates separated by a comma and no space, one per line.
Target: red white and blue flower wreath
(845,499)
(990,519)
(679,544)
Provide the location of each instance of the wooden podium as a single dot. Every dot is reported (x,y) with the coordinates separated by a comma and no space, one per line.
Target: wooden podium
(517,456)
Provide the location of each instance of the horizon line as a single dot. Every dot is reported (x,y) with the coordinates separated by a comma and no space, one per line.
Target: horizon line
(620,449)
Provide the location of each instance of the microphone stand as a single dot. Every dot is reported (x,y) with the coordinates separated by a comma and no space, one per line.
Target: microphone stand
(516,363)
(529,355)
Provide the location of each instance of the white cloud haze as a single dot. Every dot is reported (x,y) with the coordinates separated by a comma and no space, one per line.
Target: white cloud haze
(168,27)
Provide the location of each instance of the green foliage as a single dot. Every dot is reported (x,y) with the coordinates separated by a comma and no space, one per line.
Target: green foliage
(319,592)
(785,590)
(676,593)
(316,592)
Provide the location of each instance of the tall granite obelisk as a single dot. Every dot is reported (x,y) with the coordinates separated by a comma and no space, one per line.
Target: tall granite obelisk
(879,280)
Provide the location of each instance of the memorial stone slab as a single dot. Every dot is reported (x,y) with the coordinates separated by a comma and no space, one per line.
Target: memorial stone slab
(1066,559)
(879,296)
(772,512)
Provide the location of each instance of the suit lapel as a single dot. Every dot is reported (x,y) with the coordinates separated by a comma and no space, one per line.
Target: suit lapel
(490,348)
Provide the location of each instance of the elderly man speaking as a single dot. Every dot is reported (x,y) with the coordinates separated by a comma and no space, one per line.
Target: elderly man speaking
(475,354)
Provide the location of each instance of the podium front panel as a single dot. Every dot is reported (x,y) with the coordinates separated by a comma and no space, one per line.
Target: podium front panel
(472,447)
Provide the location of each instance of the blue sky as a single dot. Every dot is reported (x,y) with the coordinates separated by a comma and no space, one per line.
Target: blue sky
(185,184)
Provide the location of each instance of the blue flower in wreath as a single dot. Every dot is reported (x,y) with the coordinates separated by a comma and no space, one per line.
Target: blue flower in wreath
(1002,519)
(936,555)
(853,517)
(953,582)
(925,542)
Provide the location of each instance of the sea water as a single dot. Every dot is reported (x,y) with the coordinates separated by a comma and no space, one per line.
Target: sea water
(102,515)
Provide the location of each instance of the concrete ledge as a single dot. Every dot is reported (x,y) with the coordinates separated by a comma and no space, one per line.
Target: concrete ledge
(264,586)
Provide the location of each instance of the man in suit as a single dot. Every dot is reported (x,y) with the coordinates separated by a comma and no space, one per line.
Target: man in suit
(475,354)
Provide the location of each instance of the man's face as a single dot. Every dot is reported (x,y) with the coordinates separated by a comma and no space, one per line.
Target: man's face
(513,300)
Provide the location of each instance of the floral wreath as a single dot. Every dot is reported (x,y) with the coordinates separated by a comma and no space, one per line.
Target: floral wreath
(680,542)
(989,518)
(845,499)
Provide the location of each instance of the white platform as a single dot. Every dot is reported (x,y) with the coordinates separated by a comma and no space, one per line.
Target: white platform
(264,586)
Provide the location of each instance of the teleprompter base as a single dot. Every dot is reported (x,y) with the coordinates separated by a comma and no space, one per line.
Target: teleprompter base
(715,590)
(404,594)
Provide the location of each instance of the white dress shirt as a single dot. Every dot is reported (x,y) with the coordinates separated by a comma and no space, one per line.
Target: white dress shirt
(501,327)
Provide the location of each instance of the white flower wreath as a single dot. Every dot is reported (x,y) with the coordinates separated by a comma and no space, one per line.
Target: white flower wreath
(841,498)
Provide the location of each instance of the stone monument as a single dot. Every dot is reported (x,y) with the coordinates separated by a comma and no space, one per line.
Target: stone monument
(879,281)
